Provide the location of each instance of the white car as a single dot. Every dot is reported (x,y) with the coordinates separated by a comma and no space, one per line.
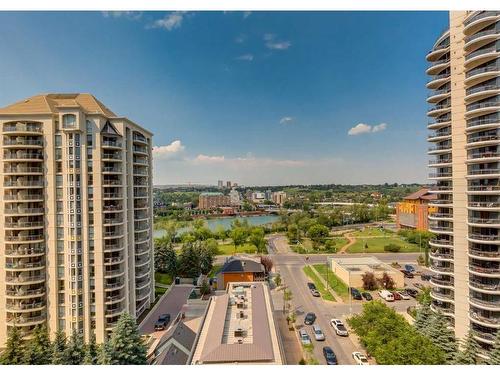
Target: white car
(339,327)
(385,294)
(304,337)
(403,295)
(318,333)
(360,358)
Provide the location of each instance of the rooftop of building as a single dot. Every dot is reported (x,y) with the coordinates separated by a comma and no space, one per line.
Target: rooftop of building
(421,194)
(363,264)
(241,264)
(239,328)
(209,194)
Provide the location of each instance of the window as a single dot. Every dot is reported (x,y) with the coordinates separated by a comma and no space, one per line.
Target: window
(69,121)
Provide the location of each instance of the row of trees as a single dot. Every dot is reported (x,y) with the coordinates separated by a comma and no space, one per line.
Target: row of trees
(125,347)
(370,282)
(435,327)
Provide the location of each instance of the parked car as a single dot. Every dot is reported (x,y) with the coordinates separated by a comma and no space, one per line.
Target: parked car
(331,358)
(304,337)
(403,295)
(311,286)
(367,296)
(162,322)
(409,268)
(396,296)
(425,277)
(356,294)
(407,274)
(339,327)
(386,295)
(315,293)
(411,292)
(418,285)
(318,333)
(360,358)
(310,318)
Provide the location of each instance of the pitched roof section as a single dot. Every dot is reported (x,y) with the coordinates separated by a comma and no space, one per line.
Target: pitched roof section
(241,265)
(51,103)
(421,194)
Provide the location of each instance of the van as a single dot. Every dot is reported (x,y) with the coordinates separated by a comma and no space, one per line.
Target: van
(385,294)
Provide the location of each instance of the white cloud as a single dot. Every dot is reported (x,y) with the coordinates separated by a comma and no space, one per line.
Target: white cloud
(286,120)
(272,43)
(246,57)
(208,159)
(246,14)
(170,22)
(248,162)
(365,128)
(170,151)
(125,14)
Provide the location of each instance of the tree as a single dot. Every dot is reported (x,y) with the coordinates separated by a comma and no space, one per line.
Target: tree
(75,350)
(220,232)
(205,288)
(392,248)
(37,350)
(104,354)
(162,246)
(495,351)
(287,297)
(424,314)
(318,232)
(267,262)
(424,297)
(189,261)
(257,239)
(206,258)
(293,233)
(469,351)
(277,279)
(126,346)
(239,236)
(14,350)
(443,337)
(212,246)
(91,352)
(369,281)
(58,348)
(386,281)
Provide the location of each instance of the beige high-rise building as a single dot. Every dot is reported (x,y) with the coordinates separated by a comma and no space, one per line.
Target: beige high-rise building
(464,96)
(75,216)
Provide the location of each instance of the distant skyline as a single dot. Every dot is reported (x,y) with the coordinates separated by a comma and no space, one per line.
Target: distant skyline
(260,98)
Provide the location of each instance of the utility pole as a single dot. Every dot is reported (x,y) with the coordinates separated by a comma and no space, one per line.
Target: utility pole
(350,294)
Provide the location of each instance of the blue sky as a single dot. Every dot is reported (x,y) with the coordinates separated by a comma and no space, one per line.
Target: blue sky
(258,98)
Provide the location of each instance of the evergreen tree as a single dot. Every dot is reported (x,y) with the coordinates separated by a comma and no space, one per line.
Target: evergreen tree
(422,320)
(75,350)
(468,353)
(189,261)
(38,350)
(441,336)
(91,352)
(206,258)
(126,345)
(58,348)
(14,350)
(495,351)
(161,248)
(104,354)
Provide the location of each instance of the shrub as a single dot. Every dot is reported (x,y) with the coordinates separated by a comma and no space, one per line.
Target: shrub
(386,282)
(369,281)
(392,248)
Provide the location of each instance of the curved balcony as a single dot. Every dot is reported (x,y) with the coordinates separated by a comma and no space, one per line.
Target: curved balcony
(139,139)
(441,283)
(24,266)
(23,129)
(113,261)
(112,157)
(437,52)
(439,255)
(484,173)
(487,288)
(442,202)
(143,283)
(445,216)
(477,75)
(142,261)
(484,222)
(439,149)
(112,195)
(481,92)
(482,140)
(484,238)
(484,336)
(114,273)
(440,189)
(141,249)
(441,229)
(439,135)
(21,183)
(483,189)
(481,38)
(24,238)
(141,295)
(484,320)
(21,321)
(24,307)
(447,311)
(444,297)
(111,144)
(484,271)
(20,142)
(140,150)
(114,299)
(24,197)
(442,162)
(437,66)
(20,293)
(443,270)
(114,286)
(439,110)
(112,208)
(114,311)
(24,280)
(111,170)
(111,182)
(483,206)
(485,305)
(483,124)
(436,81)
(439,242)
(480,109)
(481,56)
(479,20)
(483,157)
(25,251)
(484,254)
(22,170)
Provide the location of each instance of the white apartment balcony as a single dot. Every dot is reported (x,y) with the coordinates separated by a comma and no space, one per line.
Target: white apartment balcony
(483,189)
(438,110)
(481,56)
(438,51)
(115,298)
(485,305)
(442,269)
(485,123)
(439,149)
(443,216)
(447,311)
(23,224)
(484,320)
(24,321)
(142,283)
(484,271)
(111,261)
(111,144)
(484,173)
(482,38)
(112,182)
(142,294)
(482,140)
(24,266)
(141,261)
(115,311)
(22,170)
(442,296)
(113,246)
(23,183)
(112,208)
(25,279)
(442,282)
(112,156)
(440,135)
(483,206)
(23,197)
(484,336)
(492,222)
(24,238)
(113,221)
(114,273)
(440,242)
(442,203)
(23,129)
(438,66)
(439,123)
(22,293)
(142,150)
(479,20)
(111,170)
(440,255)
(24,251)
(487,288)
(481,92)
(483,157)
(113,234)
(23,156)
(484,238)
(440,162)
(141,249)
(24,307)
(437,81)
(435,96)
(441,228)
(22,142)
(113,286)
(481,74)
(441,189)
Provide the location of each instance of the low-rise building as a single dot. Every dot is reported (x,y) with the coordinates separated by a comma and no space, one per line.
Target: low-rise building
(239,328)
(258,197)
(279,197)
(234,197)
(208,201)
(240,269)
(351,270)
(413,211)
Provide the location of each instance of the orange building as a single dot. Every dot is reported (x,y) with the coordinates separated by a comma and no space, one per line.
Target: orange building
(240,269)
(413,211)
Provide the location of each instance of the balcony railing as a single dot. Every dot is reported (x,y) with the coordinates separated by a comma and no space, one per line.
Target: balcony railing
(34,251)
(24,238)
(21,224)
(484,155)
(440,174)
(439,161)
(483,302)
(479,122)
(24,306)
(26,320)
(24,292)
(484,286)
(485,254)
(440,241)
(480,220)
(481,34)
(438,268)
(441,133)
(439,281)
(484,204)
(20,169)
(23,197)
(480,52)
(22,142)
(486,69)
(484,237)
(485,270)
(111,143)
(23,128)
(474,172)
(483,138)
(481,88)
(480,15)
(25,279)
(22,265)
(484,188)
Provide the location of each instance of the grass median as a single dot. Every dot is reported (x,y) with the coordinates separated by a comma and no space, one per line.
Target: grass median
(335,283)
(319,284)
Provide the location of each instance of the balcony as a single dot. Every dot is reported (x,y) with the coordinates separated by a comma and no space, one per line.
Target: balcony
(484,270)
(22,183)
(487,189)
(17,280)
(114,233)
(22,142)
(477,75)
(493,138)
(113,221)
(114,298)
(479,156)
(22,321)
(485,287)
(481,91)
(441,175)
(23,224)
(23,156)
(22,170)
(112,156)
(139,138)
(113,260)
(24,238)
(484,336)
(486,254)
(114,285)
(439,255)
(441,282)
(441,269)
(440,189)
(448,311)
(440,242)
(140,150)
(111,170)
(439,149)
(438,51)
(441,202)
(24,307)
(483,36)
(24,293)
(478,20)
(111,144)
(437,95)
(442,296)
(438,109)
(478,318)
(436,81)
(114,273)
(440,215)
(484,221)
(481,172)
(441,161)
(24,266)
(24,251)
(112,208)
(21,128)
(485,304)
(439,135)
(441,228)
(114,195)
(484,123)
(488,206)
(116,246)
(114,311)
(484,238)
(481,53)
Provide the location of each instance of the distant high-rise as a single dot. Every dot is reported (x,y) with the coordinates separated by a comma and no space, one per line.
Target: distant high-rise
(228,184)
(220,184)
(76,216)
(464,96)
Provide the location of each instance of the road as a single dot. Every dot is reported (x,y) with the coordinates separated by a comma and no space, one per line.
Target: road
(290,265)
(171,304)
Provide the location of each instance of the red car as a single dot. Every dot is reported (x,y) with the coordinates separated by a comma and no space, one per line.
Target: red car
(397,297)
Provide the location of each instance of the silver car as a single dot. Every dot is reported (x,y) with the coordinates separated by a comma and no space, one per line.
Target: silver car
(304,337)
(318,333)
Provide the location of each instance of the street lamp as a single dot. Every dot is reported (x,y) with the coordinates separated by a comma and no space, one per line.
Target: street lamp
(350,292)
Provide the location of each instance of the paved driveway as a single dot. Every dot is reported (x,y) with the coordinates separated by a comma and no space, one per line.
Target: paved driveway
(171,304)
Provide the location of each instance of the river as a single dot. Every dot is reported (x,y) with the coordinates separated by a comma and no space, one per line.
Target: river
(226,222)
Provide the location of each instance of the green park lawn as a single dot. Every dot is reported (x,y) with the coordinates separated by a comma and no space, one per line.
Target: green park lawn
(163,278)
(372,232)
(159,291)
(335,283)
(376,245)
(314,278)
(307,247)
(228,249)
